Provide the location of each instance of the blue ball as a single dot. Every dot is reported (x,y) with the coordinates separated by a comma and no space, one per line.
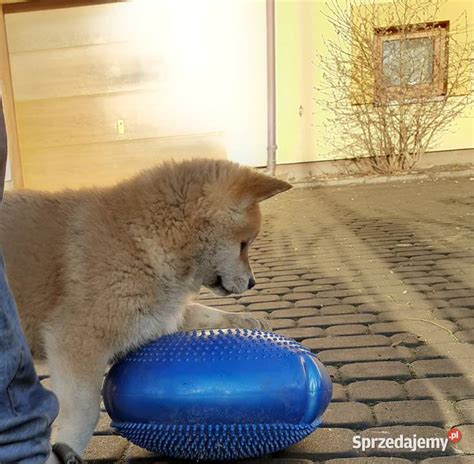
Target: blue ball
(217,394)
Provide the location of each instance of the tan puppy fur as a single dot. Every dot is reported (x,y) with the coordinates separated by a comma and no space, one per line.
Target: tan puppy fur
(98,272)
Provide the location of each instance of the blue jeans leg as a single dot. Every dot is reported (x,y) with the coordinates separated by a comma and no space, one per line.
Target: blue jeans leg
(27,410)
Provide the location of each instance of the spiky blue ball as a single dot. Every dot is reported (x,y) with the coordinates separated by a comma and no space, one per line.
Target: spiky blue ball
(217,394)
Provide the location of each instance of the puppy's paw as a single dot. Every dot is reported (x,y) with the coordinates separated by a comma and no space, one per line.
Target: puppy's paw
(248,321)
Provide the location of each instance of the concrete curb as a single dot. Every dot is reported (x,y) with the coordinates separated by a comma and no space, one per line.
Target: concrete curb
(369,180)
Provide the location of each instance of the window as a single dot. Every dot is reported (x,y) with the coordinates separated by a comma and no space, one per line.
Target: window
(412,61)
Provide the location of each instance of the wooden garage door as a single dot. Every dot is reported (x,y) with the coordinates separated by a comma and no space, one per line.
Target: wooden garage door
(106,90)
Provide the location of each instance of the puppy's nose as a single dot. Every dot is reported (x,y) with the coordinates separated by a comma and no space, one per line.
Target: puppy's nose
(251,283)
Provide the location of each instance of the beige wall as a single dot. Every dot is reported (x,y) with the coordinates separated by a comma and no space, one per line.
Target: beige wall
(186,78)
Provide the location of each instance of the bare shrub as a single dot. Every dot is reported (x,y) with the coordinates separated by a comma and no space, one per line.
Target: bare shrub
(395,76)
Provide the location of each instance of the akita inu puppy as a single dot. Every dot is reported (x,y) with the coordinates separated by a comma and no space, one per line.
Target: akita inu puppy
(98,272)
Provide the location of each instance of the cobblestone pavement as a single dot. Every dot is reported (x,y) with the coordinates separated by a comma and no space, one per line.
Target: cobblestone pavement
(378,280)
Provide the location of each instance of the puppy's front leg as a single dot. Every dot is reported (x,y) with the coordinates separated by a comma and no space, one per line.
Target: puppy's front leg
(76,375)
(198,316)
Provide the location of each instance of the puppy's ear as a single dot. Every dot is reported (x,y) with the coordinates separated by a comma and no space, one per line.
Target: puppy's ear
(253,187)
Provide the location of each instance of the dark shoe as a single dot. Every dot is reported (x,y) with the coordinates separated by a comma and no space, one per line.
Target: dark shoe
(66,455)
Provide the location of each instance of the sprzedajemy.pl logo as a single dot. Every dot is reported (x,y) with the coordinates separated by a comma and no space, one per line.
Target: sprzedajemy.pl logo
(412,443)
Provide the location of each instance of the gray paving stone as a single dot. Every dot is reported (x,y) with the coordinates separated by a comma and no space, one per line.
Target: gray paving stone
(251,292)
(466,336)
(377,308)
(451,388)
(338,392)
(369,460)
(411,271)
(103,424)
(294,313)
(398,259)
(282,283)
(376,390)
(317,302)
(451,286)
(281,276)
(405,339)
(456,296)
(348,414)
(468,302)
(351,341)
(453,313)
(326,280)
(431,256)
(278,461)
(374,370)
(333,372)
(449,460)
(325,443)
(297,296)
(421,412)
(136,455)
(295,267)
(339,293)
(270,306)
(274,291)
(404,274)
(429,330)
(394,289)
(425,280)
(465,409)
(440,367)
(106,447)
(338,309)
(313,288)
(363,299)
(347,329)
(428,262)
(282,323)
(448,273)
(446,350)
(326,321)
(467,323)
(366,354)
(258,299)
(401,306)
(405,315)
(300,333)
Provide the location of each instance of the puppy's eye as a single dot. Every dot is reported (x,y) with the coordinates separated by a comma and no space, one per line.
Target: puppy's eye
(243,246)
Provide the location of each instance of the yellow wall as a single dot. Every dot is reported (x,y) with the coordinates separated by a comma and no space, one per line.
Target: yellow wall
(301,28)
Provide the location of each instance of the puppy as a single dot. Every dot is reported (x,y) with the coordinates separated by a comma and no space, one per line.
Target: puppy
(98,272)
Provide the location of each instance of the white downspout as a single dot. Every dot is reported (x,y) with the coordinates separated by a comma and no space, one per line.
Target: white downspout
(271,93)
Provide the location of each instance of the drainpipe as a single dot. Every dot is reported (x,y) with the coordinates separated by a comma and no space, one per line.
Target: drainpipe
(271,96)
